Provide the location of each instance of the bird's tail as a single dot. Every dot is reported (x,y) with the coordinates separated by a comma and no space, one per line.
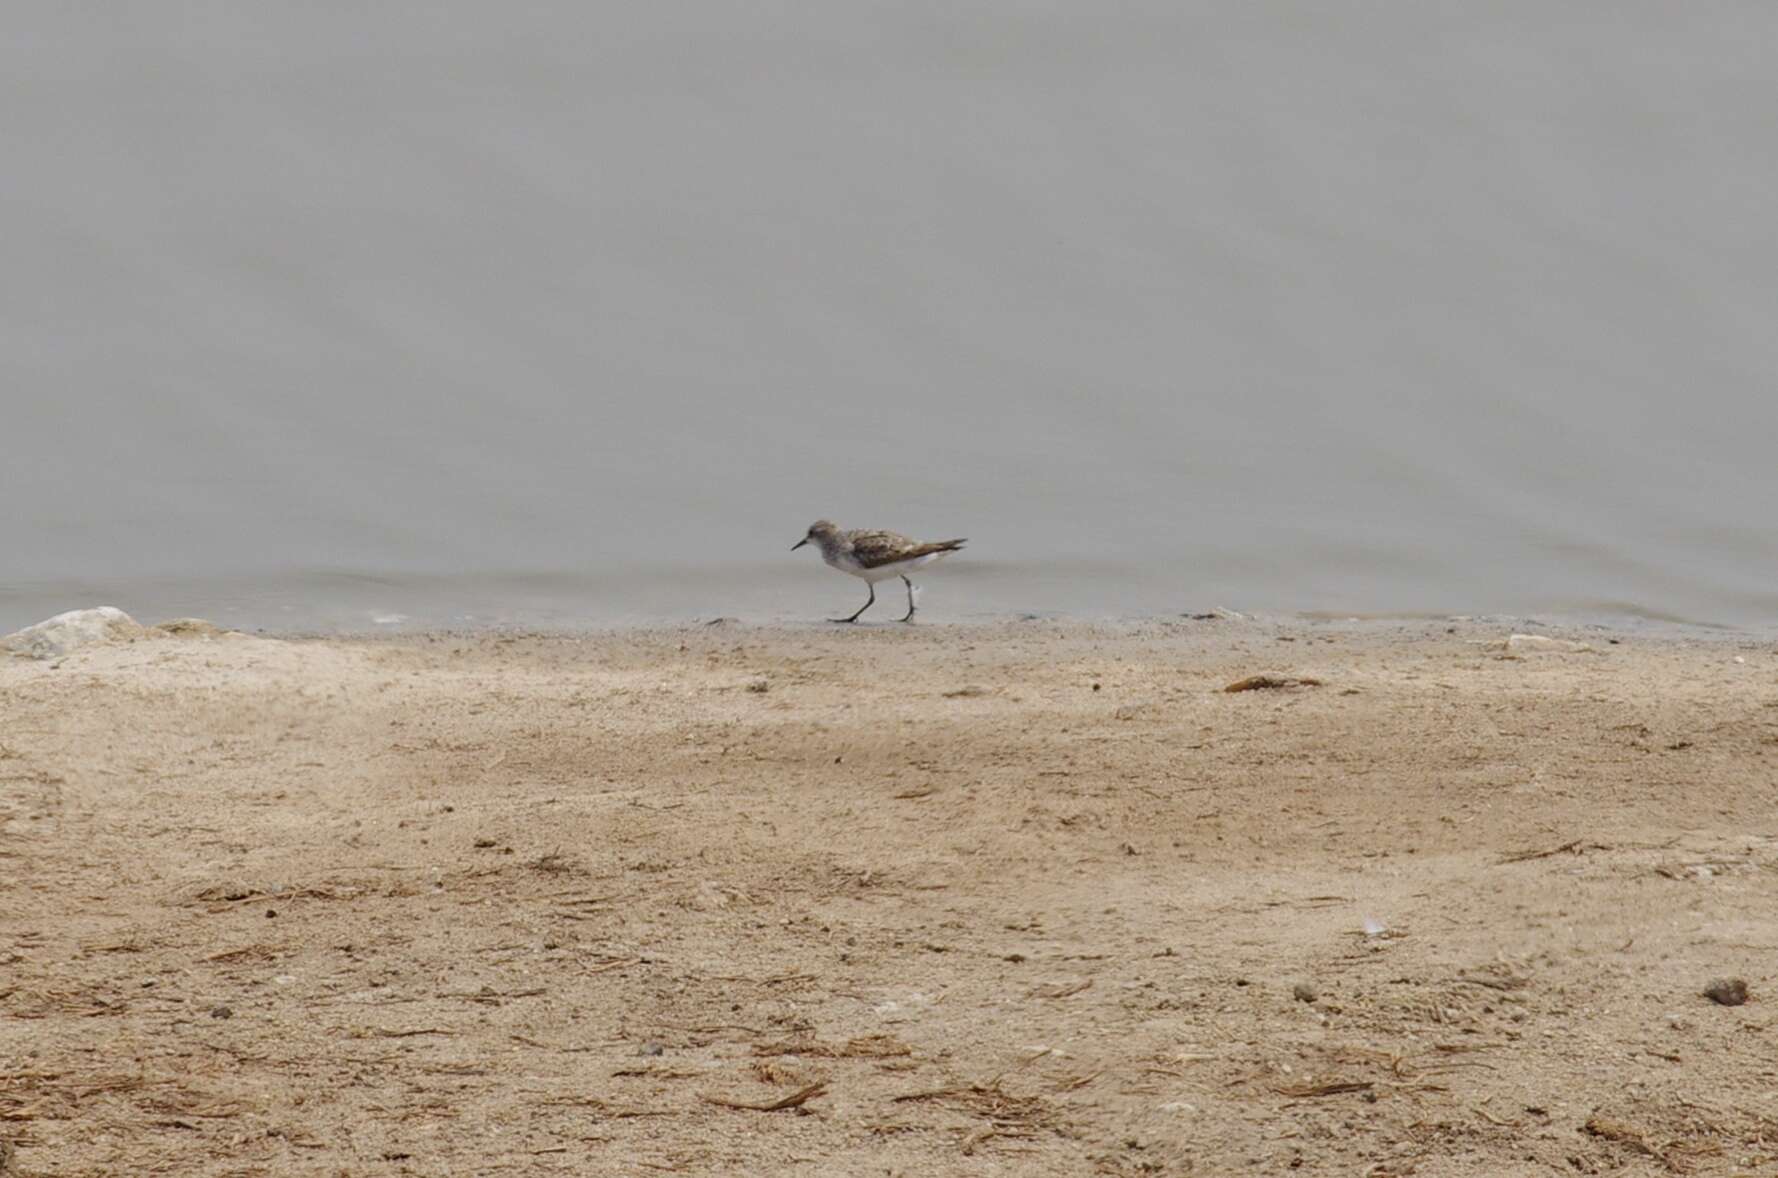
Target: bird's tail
(951,545)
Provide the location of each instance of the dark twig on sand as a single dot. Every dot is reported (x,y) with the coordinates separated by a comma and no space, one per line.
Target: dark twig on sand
(1573,846)
(1304,1091)
(1271,683)
(794,1100)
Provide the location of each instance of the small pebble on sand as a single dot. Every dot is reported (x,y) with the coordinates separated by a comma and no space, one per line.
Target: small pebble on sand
(1727,991)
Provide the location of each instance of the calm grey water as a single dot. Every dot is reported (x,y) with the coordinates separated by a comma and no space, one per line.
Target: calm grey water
(325,314)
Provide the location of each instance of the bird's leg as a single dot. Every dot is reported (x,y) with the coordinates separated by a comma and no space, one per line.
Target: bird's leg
(910,586)
(862,608)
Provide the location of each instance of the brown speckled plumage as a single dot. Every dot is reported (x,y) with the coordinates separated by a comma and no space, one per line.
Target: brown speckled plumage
(879,548)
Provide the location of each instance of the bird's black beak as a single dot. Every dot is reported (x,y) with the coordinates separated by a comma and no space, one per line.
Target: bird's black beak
(799,543)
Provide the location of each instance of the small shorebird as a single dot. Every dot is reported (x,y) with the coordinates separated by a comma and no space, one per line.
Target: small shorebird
(875,556)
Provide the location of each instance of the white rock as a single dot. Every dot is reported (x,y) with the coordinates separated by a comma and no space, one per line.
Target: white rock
(71,631)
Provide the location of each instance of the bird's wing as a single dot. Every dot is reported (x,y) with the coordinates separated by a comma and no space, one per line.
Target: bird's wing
(874,549)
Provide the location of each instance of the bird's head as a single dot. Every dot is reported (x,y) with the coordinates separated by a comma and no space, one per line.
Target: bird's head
(820,532)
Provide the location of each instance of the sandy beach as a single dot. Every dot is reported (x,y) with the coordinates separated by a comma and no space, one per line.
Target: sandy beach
(1030,898)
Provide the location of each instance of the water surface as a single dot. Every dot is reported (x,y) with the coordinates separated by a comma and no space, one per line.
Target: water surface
(320,314)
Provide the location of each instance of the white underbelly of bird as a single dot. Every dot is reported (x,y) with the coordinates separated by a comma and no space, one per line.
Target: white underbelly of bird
(886,572)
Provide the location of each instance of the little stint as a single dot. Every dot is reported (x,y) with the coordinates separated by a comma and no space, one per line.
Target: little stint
(875,556)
